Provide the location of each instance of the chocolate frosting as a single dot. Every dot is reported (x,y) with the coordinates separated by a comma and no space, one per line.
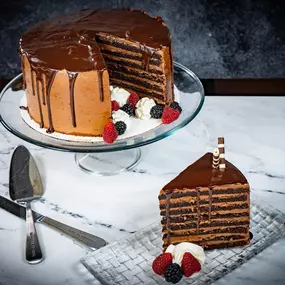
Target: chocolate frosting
(201,173)
(69,41)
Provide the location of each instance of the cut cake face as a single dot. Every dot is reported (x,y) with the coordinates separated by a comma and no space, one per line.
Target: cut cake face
(207,206)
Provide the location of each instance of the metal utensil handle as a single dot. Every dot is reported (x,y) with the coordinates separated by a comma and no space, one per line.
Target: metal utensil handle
(33,250)
(90,240)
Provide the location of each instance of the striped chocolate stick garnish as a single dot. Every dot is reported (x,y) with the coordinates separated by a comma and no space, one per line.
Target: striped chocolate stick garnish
(221,147)
(216,158)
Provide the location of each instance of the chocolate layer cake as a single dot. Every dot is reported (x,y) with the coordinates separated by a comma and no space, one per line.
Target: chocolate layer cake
(206,206)
(69,62)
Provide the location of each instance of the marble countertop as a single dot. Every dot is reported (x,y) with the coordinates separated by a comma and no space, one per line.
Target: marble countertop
(113,207)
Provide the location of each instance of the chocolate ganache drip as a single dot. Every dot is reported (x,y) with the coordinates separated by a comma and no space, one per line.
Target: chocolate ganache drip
(72,77)
(69,43)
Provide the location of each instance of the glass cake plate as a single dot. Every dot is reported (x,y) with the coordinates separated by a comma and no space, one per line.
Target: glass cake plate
(125,150)
(129,261)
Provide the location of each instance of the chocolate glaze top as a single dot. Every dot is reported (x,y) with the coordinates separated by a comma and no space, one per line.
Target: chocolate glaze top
(69,41)
(200,174)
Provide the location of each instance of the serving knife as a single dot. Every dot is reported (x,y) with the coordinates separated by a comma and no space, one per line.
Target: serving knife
(25,186)
(90,240)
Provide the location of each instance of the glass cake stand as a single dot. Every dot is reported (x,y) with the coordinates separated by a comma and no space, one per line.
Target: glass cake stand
(99,157)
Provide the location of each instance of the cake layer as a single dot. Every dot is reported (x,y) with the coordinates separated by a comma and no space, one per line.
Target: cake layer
(207,216)
(206,223)
(142,91)
(208,239)
(133,57)
(105,40)
(205,233)
(234,208)
(186,202)
(214,244)
(136,72)
(138,81)
(206,191)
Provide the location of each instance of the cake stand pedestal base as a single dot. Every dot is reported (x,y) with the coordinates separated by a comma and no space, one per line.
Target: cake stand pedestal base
(108,163)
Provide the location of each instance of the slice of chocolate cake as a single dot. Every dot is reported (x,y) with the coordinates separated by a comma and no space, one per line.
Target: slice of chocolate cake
(207,204)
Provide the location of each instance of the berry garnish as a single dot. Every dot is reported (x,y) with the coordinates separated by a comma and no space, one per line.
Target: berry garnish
(175,105)
(110,133)
(120,127)
(173,273)
(160,263)
(169,115)
(115,106)
(128,108)
(133,99)
(156,111)
(190,264)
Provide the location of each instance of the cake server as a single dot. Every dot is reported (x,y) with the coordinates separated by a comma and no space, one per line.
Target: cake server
(25,186)
(90,240)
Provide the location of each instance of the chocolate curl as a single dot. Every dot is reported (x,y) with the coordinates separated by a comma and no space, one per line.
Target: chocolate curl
(221,147)
(216,158)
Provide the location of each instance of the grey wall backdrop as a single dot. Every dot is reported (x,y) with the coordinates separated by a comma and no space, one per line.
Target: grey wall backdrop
(216,39)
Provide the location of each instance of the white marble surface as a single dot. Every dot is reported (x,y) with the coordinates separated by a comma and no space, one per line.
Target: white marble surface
(112,207)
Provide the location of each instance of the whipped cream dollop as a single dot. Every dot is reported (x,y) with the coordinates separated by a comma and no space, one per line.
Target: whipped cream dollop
(143,108)
(120,115)
(178,251)
(120,95)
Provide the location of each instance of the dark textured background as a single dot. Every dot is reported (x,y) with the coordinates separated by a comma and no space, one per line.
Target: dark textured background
(216,39)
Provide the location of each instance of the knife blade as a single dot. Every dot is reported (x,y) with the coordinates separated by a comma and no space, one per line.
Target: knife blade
(90,240)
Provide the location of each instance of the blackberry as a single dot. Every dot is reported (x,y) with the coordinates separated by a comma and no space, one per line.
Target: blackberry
(176,106)
(128,108)
(250,235)
(120,127)
(173,273)
(156,111)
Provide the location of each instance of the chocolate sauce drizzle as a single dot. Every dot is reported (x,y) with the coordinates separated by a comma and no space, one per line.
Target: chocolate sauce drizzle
(49,81)
(72,78)
(40,106)
(24,108)
(198,209)
(147,54)
(24,76)
(101,87)
(33,82)
(43,89)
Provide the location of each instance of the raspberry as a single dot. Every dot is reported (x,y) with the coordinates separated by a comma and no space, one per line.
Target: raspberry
(115,106)
(169,115)
(120,127)
(173,273)
(110,133)
(176,106)
(128,108)
(133,99)
(160,263)
(156,111)
(190,264)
